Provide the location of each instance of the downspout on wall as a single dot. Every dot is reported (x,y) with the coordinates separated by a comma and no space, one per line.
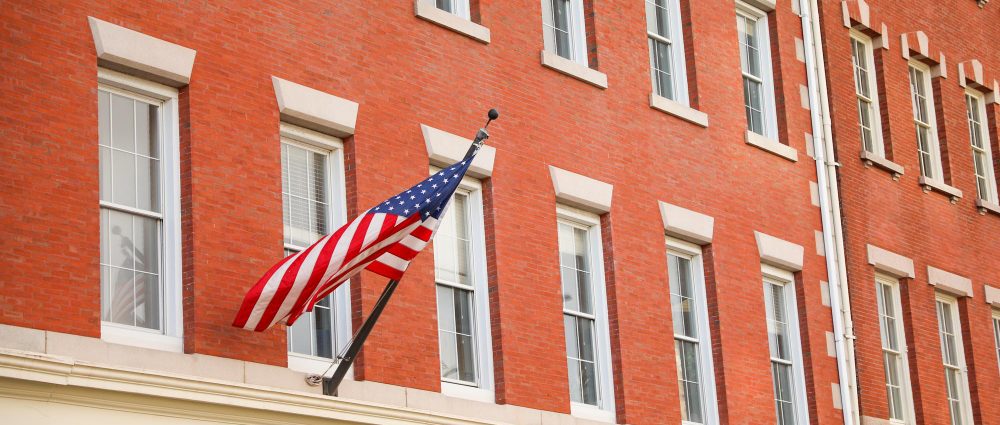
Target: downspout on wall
(829,200)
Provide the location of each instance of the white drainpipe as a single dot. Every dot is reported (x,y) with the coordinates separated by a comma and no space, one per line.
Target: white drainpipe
(829,201)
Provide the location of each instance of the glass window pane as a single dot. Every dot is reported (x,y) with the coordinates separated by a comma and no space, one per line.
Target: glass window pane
(300,335)
(148,184)
(120,240)
(122,296)
(585,334)
(463,311)
(323,329)
(449,355)
(571,297)
(147,244)
(147,300)
(466,358)
(146,129)
(122,123)
(575,384)
(123,171)
(588,374)
(446,308)
(572,342)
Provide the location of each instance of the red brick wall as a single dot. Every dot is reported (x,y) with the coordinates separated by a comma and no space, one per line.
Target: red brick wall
(404,71)
(900,217)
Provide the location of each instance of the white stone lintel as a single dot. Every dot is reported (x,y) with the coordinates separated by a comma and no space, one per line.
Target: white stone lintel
(133,52)
(444,149)
(779,252)
(581,191)
(314,109)
(949,282)
(890,262)
(685,224)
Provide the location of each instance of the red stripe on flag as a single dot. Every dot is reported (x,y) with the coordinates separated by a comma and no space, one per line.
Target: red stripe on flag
(423,233)
(384,270)
(252,296)
(287,280)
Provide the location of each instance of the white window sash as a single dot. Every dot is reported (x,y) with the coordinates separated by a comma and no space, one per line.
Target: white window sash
(577,30)
(678,61)
(170,337)
(933,144)
(482,325)
(340,302)
(951,303)
(767,74)
(786,279)
(904,366)
(987,149)
(872,99)
(605,410)
(706,365)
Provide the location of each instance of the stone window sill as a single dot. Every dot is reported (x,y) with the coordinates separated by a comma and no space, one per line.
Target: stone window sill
(771,145)
(986,206)
(879,161)
(426,10)
(931,184)
(575,70)
(678,110)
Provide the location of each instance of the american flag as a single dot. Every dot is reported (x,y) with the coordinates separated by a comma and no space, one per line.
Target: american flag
(383,240)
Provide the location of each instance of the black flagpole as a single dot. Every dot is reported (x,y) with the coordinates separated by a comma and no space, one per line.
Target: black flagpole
(331,384)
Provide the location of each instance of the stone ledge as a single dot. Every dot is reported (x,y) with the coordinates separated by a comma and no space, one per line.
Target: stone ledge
(426,10)
(771,145)
(992,295)
(985,207)
(678,110)
(575,70)
(314,109)
(883,163)
(953,193)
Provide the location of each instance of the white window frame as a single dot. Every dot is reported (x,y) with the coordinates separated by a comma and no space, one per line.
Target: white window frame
(767,73)
(336,216)
(605,411)
(996,332)
(706,365)
(773,275)
(878,144)
(171,338)
(956,329)
(461,8)
(904,366)
(676,47)
(482,325)
(936,168)
(577,31)
(984,133)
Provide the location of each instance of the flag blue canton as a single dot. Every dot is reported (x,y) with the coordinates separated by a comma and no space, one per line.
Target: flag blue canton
(429,197)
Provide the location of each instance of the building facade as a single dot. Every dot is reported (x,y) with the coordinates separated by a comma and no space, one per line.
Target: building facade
(677,219)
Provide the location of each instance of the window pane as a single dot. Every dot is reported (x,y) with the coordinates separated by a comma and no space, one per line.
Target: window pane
(147,300)
(120,240)
(446,5)
(123,172)
(122,123)
(559,28)
(662,68)
(146,130)
(122,296)
(682,297)
(323,328)
(301,336)
(689,381)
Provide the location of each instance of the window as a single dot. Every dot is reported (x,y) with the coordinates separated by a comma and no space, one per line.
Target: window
(585,314)
(692,342)
(982,159)
(666,50)
(563,26)
(925,122)
(313,203)
(893,349)
(455,7)
(139,212)
(996,331)
(953,354)
(869,118)
(783,340)
(755,61)
(463,298)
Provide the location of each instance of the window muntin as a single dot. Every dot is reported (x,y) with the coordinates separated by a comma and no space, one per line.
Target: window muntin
(132,220)
(893,349)
(869,118)
(692,342)
(755,57)
(455,7)
(563,29)
(585,314)
(953,356)
(922,96)
(982,158)
(783,342)
(305,195)
(666,50)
